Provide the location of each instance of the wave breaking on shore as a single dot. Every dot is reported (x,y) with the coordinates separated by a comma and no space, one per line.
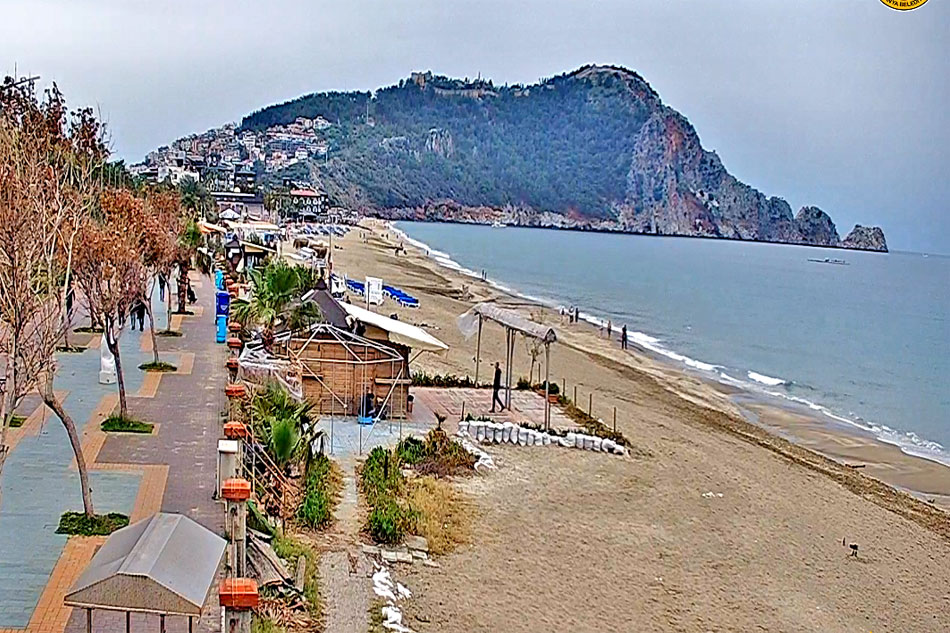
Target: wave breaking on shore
(756,383)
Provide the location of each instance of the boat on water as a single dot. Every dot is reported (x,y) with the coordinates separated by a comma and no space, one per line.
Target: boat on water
(497,224)
(828,260)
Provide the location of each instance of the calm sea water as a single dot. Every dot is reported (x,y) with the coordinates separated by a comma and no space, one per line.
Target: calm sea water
(867,344)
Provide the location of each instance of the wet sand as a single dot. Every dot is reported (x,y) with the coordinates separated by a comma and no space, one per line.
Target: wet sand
(656,554)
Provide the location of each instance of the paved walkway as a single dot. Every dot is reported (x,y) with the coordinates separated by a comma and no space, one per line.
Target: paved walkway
(172,470)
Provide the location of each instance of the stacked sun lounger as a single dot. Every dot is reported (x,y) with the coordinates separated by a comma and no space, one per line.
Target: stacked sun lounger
(357,287)
(400,297)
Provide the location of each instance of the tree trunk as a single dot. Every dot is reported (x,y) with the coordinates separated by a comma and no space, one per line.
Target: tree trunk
(113,342)
(182,288)
(151,327)
(51,401)
(168,304)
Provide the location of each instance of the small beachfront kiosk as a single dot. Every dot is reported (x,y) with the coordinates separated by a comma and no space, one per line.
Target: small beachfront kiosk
(471,323)
(163,565)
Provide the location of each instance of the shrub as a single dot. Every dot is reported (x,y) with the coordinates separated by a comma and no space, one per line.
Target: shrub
(316,508)
(117,424)
(386,524)
(172,333)
(78,524)
(553,388)
(411,450)
(422,379)
(523,383)
(160,366)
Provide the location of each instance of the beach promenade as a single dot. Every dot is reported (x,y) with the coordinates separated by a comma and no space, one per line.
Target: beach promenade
(172,469)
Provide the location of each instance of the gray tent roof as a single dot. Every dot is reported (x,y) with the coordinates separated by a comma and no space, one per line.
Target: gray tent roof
(163,564)
(509,319)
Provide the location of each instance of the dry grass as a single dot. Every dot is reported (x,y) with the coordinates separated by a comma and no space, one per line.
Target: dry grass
(443,516)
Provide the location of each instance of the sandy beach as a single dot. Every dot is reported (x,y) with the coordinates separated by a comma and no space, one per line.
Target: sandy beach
(580,542)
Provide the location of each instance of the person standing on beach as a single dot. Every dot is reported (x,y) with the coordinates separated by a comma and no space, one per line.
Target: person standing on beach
(623,337)
(610,328)
(495,388)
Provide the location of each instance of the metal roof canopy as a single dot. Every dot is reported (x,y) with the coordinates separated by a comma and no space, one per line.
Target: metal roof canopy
(164,564)
(513,322)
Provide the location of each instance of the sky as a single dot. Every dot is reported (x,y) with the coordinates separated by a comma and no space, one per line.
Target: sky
(841,104)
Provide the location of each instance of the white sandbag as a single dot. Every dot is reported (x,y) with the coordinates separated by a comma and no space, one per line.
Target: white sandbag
(545,440)
(566,443)
(463,426)
(513,436)
(499,435)
(619,450)
(506,432)
(588,443)
(597,441)
(608,446)
(579,441)
(522,437)
(479,432)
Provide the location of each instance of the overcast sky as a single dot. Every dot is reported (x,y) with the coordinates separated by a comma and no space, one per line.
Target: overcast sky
(840,104)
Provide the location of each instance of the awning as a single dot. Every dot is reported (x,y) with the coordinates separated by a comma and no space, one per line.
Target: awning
(508,318)
(251,247)
(164,564)
(399,332)
(208,227)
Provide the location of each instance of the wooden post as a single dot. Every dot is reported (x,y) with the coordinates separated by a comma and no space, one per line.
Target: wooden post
(564,386)
(128,622)
(547,386)
(478,348)
(88,620)
(575,395)
(161,623)
(615,419)
(590,404)
(191,624)
(463,411)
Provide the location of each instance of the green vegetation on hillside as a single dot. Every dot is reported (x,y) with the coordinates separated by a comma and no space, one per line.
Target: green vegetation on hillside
(563,145)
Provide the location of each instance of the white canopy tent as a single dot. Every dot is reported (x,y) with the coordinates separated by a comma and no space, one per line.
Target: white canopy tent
(398,331)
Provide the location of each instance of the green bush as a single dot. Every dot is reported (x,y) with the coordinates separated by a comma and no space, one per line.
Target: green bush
(386,522)
(117,424)
(78,524)
(553,389)
(160,366)
(422,379)
(523,383)
(411,450)
(316,508)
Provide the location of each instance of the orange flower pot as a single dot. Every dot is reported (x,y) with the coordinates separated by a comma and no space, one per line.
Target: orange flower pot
(235,390)
(238,593)
(232,364)
(235,343)
(234,326)
(236,489)
(235,431)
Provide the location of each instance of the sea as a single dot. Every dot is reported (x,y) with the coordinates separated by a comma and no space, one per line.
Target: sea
(865,345)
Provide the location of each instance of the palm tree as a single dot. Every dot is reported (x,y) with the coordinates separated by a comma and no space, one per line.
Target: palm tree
(275,286)
(283,424)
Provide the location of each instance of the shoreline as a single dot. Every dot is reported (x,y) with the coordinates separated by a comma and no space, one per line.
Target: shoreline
(844,442)
(578,229)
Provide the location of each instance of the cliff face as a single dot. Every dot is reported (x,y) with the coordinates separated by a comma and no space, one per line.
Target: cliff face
(865,238)
(595,148)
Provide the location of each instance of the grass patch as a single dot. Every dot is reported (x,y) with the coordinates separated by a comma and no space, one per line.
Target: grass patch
(70,349)
(440,514)
(322,486)
(160,366)
(78,524)
(16,421)
(290,549)
(437,455)
(171,333)
(382,482)
(261,624)
(88,330)
(117,424)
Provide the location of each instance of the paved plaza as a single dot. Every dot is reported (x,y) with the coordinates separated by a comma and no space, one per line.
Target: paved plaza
(172,469)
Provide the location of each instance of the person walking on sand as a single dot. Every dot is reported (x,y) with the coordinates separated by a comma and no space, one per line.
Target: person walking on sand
(610,328)
(495,388)
(623,337)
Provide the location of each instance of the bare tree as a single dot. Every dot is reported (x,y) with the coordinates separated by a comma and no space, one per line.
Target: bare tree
(48,165)
(110,269)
